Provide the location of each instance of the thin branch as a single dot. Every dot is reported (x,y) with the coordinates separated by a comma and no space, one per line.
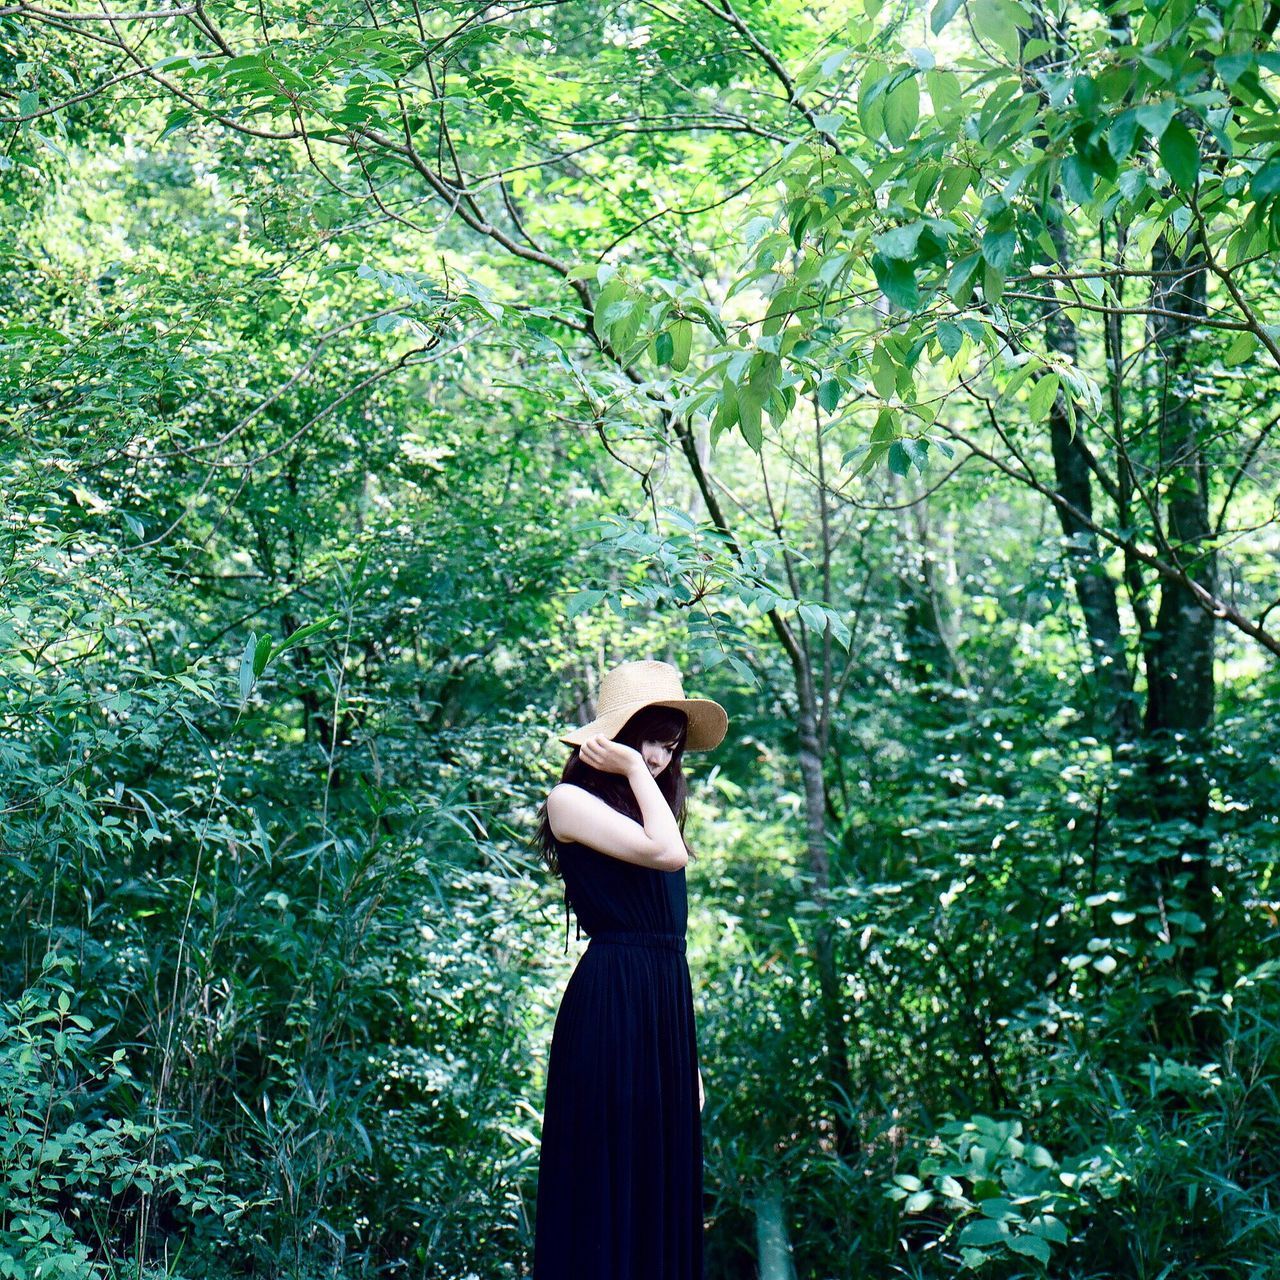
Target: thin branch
(1209,602)
(61,15)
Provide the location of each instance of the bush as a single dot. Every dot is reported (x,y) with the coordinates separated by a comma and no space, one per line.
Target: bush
(74,1178)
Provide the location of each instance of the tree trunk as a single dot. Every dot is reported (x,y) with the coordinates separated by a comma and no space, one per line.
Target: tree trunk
(1107,671)
(773,1241)
(812,741)
(1179,654)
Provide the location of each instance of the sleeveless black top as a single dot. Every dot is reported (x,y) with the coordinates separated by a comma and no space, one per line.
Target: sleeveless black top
(608,893)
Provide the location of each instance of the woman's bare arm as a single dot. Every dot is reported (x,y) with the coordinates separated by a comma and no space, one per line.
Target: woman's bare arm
(578,815)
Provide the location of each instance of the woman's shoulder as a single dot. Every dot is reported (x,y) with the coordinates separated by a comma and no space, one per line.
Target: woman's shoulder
(568,794)
(561,797)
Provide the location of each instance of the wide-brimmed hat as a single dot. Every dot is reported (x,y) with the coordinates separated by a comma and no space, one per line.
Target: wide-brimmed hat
(650,683)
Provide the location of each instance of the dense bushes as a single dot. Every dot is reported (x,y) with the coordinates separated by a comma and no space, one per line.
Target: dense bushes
(303,447)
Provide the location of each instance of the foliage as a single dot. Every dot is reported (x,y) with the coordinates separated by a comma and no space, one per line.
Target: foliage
(71,1172)
(377,375)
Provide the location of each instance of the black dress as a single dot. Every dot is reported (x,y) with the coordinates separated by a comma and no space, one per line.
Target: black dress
(620,1177)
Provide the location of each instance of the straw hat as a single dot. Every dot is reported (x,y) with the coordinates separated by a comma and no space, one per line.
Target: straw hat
(649,683)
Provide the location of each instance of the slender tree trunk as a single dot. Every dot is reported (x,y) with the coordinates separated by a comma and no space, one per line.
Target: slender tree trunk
(1108,669)
(773,1241)
(811,755)
(1179,653)
(920,599)
(812,739)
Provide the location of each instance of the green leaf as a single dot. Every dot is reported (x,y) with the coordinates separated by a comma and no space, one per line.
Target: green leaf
(888,427)
(942,13)
(983,1231)
(899,459)
(1048,1227)
(663,347)
(897,281)
(261,656)
(960,281)
(1041,399)
(581,601)
(709,316)
(1266,182)
(1155,117)
(839,629)
(612,293)
(998,247)
(900,242)
(1240,349)
(726,411)
(1233,65)
(1180,155)
(625,327)
(191,687)
(305,633)
(955,182)
(1122,134)
(834,61)
(681,344)
(945,92)
(46,141)
(246,666)
(871,455)
(1077,179)
(870,103)
(884,373)
(763,376)
(950,337)
(992,283)
(814,616)
(1031,1246)
(828,395)
(998,21)
(997,1208)
(176,120)
(749,420)
(902,111)
(1086,95)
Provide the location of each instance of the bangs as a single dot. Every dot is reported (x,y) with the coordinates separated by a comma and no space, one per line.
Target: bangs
(660,724)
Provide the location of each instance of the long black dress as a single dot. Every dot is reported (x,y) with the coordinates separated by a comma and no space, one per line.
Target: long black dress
(620,1178)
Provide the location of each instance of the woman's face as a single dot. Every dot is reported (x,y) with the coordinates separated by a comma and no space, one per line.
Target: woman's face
(657,755)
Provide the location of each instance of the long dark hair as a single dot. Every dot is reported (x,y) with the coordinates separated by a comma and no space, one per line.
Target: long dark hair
(649,724)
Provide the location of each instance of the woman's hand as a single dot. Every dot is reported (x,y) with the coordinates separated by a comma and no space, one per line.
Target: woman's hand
(611,757)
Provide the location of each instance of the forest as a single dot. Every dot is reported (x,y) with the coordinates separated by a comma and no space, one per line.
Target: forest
(378,373)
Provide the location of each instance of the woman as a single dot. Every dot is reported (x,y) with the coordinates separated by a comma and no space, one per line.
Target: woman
(620,1178)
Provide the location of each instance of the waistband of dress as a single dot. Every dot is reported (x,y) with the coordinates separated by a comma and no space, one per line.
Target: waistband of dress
(640,938)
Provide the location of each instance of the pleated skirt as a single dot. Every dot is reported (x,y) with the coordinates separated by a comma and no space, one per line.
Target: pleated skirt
(620,1177)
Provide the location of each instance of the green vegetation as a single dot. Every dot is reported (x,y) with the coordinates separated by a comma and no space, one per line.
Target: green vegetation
(375,375)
